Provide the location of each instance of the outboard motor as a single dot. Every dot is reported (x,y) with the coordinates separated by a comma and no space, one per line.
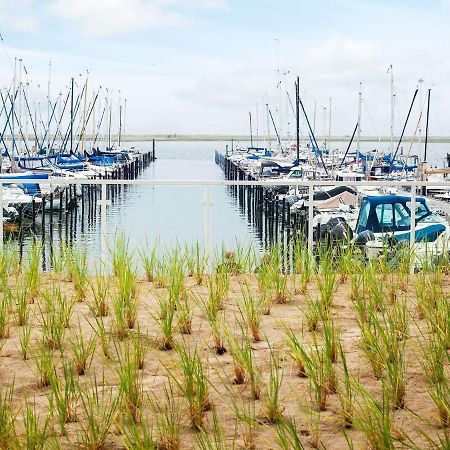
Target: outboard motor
(364,237)
(341,232)
(335,230)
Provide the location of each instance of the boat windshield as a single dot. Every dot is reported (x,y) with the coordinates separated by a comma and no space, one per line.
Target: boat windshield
(422,212)
(401,218)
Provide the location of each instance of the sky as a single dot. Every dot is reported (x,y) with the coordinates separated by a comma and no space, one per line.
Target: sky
(200,66)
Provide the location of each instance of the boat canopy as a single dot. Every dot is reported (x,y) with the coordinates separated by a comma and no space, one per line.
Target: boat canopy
(389,213)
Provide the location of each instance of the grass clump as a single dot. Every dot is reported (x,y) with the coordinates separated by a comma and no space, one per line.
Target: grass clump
(100,406)
(194,384)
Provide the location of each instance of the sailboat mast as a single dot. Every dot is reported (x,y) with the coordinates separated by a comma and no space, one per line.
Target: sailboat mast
(251,130)
(12,111)
(420,113)
(25,88)
(93,123)
(268,126)
(109,125)
(426,127)
(392,109)
(84,112)
(314,116)
(120,126)
(324,137)
(257,126)
(36,127)
(19,116)
(71,116)
(329,124)
(297,116)
(124,116)
(48,103)
(358,139)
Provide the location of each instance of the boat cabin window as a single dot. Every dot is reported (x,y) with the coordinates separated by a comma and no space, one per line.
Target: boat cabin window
(385,215)
(363,216)
(422,211)
(402,216)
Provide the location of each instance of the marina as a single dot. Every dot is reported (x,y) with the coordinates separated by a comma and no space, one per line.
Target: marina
(224,225)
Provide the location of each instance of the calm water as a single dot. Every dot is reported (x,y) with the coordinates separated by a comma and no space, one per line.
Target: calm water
(169,214)
(175,214)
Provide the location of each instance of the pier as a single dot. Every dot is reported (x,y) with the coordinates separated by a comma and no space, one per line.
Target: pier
(75,205)
(271,217)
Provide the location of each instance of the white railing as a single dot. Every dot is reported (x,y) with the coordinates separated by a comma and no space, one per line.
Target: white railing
(104,202)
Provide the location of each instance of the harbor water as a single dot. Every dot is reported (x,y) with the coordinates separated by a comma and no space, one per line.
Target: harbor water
(171,214)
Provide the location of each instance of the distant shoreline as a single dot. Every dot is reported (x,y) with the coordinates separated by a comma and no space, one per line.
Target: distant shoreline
(238,138)
(241,138)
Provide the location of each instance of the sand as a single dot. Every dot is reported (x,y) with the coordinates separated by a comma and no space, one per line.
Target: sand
(419,414)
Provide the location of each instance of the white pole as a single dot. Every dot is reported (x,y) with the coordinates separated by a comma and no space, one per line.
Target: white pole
(1,216)
(310,218)
(412,234)
(104,202)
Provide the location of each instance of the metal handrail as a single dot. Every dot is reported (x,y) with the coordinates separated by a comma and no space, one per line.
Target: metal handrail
(207,203)
(268,183)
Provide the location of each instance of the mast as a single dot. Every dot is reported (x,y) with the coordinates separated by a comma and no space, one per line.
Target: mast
(268,126)
(275,127)
(257,125)
(12,113)
(420,113)
(48,103)
(71,116)
(25,89)
(314,116)
(124,116)
(120,126)
(324,126)
(109,125)
(36,128)
(84,112)
(358,139)
(251,130)
(297,116)
(392,109)
(329,125)
(426,126)
(19,119)
(59,115)
(93,123)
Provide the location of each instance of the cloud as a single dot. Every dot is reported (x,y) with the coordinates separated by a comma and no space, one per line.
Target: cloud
(104,18)
(19,15)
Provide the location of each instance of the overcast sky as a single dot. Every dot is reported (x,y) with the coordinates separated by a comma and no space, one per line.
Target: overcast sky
(199,66)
